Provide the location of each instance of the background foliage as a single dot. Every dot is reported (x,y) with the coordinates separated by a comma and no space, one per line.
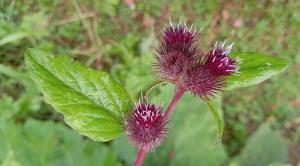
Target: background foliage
(262,123)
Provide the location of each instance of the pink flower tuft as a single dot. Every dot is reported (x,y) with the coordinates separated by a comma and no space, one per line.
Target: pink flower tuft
(208,77)
(218,61)
(146,126)
(176,51)
(179,38)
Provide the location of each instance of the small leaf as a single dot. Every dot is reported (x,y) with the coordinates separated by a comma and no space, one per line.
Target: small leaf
(13,37)
(218,119)
(92,102)
(255,68)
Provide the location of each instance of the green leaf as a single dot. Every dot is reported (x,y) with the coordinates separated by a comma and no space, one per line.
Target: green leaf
(13,37)
(213,107)
(91,101)
(255,68)
(46,143)
(10,160)
(264,147)
(124,150)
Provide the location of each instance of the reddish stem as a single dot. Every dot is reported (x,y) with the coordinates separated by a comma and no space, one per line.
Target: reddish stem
(140,157)
(177,95)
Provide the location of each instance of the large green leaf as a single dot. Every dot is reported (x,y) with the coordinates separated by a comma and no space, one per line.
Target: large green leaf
(264,147)
(255,68)
(46,143)
(92,102)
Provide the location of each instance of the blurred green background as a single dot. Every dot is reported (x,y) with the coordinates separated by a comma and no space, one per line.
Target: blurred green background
(119,37)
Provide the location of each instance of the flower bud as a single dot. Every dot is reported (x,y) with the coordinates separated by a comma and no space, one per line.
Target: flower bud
(176,52)
(146,126)
(219,63)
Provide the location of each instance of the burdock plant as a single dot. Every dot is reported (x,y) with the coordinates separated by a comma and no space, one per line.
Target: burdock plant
(100,108)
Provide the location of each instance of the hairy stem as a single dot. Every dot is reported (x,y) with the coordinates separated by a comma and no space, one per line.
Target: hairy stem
(177,95)
(140,157)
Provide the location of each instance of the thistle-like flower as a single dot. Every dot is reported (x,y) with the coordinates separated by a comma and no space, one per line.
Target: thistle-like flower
(209,76)
(146,125)
(177,62)
(176,52)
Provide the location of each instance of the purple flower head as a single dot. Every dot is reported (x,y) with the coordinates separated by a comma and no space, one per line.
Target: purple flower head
(208,77)
(176,51)
(146,125)
(218,61)
(178,61)
(201,82)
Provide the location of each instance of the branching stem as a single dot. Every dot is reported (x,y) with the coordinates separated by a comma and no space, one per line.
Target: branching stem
(177,95)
